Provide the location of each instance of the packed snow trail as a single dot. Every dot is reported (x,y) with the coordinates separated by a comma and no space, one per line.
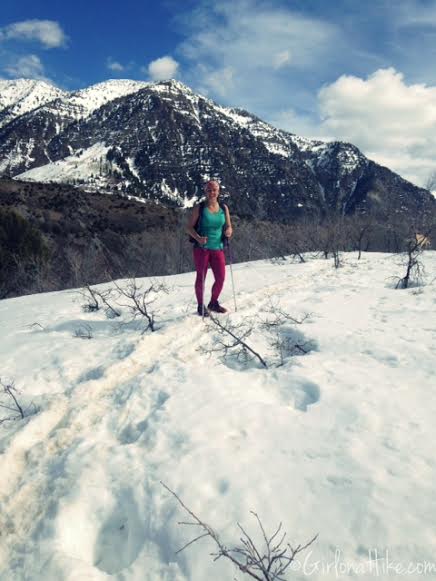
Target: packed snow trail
(336,442)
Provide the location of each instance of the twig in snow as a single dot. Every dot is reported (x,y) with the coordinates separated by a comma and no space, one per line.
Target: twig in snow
(84,331)
(267,563)
(238,335)
(279,317)
(9,401)
(35,325)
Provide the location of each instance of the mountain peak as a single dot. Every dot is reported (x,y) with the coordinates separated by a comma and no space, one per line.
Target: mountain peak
(159,140)
(113,84)
(19,96)
(93,97)
(172,85)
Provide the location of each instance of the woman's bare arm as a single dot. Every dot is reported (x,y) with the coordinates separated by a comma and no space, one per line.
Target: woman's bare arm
(228,230)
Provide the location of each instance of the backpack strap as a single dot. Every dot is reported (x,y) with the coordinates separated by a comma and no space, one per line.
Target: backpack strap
(200,215)
(197,223)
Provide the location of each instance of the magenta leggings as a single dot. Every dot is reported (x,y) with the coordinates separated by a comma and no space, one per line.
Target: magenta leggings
(217,261)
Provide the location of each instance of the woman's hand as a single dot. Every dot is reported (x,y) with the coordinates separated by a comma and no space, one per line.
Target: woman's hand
(202,240)
(228,232)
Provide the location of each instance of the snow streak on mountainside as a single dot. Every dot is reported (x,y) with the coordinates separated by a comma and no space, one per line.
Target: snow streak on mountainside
(336,442)
(85,165)
(162,140)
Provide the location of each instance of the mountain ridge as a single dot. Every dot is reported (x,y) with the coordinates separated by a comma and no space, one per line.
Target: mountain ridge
(161,141)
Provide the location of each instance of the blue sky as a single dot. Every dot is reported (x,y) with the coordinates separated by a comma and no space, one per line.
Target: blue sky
(351,70)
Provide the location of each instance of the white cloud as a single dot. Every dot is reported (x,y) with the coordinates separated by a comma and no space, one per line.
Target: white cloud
(115,66)
(48,32)
(414,13)
(28,66)
(219,81)
(301,124)
(259,43)
(162,68)
(392,122)
(282,59)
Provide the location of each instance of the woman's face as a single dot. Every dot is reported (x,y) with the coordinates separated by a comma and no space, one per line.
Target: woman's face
(212,191)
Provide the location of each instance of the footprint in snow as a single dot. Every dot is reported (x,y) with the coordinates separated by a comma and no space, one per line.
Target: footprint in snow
(134,430)
(121,536)
(91,374)
(305,395)
(124,350)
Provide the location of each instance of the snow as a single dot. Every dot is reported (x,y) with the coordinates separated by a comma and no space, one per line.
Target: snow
(171,194)
(83,166)
(24,95)
(21,153)
(189,202)
(133,168)
(337,442)
(95,96)
(277,149)
(272,138)
(348,155)
(306,144)
(173,86)
(242,120)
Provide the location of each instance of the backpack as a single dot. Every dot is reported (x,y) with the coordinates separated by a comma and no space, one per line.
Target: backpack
(197,224)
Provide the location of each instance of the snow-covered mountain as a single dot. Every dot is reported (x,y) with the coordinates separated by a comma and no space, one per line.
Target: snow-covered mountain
(20,96)
(336,442)
(161,140)
(92,98)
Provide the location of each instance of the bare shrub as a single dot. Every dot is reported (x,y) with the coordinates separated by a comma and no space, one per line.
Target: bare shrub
(288,344)
(413,264)
(358,232)
(266,562)
(84,331)
(286,341)
(140,300)
(276,316)
(9,402)
(231,341)
(93,298)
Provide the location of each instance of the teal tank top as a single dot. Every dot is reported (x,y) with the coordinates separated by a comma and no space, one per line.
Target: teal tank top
(211,225)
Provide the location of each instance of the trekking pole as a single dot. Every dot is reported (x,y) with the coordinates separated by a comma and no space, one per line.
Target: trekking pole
(227,243)
(204,285)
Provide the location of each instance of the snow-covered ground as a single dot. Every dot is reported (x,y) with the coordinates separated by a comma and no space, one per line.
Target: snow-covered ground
(339,441)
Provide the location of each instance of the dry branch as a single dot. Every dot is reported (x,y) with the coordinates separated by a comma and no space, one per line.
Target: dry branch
(139,301)
(414,267)
(268,563)
(9,401)
(84,331)
(238,335)
(279,317)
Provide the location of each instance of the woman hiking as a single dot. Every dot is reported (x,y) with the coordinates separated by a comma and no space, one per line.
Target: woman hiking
(208,224)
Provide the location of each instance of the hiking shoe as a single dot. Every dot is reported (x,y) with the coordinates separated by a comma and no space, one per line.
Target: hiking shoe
(200,311)
(216,307)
